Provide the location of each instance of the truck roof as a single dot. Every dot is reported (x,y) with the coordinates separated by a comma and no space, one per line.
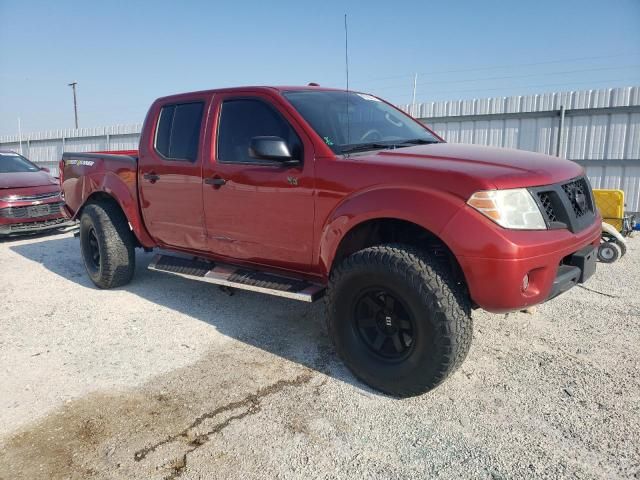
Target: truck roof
(264,88)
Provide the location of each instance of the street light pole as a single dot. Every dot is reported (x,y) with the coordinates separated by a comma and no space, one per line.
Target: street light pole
(75,103)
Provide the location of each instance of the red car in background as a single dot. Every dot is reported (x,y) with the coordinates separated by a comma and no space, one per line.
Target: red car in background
(30,198)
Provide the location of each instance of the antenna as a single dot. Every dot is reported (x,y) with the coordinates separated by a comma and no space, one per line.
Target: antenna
(346,66)
(346,49)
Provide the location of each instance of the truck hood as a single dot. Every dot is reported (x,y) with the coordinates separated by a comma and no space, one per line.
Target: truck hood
(485,167)
(26,179)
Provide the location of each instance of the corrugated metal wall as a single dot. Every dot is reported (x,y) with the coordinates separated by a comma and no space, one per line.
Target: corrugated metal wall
(601,131)
(45,148)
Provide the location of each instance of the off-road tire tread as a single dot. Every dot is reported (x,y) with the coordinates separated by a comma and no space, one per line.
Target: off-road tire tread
(446,300)
(117,244)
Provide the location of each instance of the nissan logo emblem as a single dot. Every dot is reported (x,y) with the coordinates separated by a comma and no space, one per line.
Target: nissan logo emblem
(581,200)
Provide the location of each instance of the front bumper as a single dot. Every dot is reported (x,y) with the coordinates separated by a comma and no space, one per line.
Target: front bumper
(35,226)
(497,261)
(25,216)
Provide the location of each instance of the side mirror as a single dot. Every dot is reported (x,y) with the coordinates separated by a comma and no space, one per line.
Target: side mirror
(45,169)
(271,148)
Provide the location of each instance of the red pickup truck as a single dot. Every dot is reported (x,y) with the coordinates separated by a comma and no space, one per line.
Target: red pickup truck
(305,192)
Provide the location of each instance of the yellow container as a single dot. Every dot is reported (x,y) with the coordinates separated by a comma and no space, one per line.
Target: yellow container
(611,206)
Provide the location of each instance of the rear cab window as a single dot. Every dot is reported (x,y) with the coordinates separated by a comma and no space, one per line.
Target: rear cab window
(178,131)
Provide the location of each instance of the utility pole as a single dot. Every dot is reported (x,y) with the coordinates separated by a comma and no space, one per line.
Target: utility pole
(75,103)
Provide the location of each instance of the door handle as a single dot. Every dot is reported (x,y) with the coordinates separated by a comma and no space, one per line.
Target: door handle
(152,177)
(215,181)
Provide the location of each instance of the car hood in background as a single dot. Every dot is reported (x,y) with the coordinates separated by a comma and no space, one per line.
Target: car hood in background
(26,179)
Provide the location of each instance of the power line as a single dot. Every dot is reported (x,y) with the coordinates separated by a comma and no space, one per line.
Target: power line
(504,77)
(567,84)
(511,65)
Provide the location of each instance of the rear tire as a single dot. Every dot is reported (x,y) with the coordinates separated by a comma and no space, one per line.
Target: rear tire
(398,319)
(107,245)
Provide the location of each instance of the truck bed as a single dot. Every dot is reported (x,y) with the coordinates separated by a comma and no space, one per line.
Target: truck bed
(81,174)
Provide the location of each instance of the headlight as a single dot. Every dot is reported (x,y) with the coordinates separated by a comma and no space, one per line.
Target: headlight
(10,198)
(515,209)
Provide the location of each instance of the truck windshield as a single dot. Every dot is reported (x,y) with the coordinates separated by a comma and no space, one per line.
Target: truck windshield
(372,124)
(13,163)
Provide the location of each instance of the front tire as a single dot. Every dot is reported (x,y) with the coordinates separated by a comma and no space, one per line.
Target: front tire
(107,245)
(398,319)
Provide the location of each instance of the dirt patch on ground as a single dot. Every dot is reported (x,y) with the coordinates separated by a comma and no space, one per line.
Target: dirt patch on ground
(148,432)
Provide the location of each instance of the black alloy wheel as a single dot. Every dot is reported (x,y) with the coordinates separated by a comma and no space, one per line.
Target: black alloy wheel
(384,324)
(94,248)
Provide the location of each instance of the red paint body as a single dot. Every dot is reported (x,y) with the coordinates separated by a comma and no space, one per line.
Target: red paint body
(29,202)
(258,218)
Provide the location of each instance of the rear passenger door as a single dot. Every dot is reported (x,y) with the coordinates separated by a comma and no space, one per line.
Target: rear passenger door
(170,176)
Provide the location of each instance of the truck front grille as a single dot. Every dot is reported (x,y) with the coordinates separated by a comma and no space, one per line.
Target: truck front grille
(566,205)
(32,211)
(35,197)
(547,206)
(579,195)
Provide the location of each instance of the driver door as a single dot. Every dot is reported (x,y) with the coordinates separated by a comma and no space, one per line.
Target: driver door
(256,210)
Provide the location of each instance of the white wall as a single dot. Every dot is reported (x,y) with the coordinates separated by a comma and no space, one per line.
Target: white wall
(601,130)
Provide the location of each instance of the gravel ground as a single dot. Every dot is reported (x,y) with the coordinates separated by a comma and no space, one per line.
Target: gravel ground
(169,378)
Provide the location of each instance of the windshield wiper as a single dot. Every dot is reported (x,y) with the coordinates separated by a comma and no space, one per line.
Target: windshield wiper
(416,141)
(362,147)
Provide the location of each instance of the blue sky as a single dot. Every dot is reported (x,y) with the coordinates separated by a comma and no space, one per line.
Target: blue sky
(123,54)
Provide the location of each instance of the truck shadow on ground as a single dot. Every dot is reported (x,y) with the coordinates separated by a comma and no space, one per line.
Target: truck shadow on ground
(292,330)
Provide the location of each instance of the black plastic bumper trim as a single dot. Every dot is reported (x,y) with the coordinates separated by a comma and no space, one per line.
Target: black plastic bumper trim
(580,266)
(566,278)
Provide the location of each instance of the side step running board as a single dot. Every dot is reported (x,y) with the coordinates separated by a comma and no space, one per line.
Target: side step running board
(237,277)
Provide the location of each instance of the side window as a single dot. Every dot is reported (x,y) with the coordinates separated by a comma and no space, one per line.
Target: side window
(178,131)
(243,119)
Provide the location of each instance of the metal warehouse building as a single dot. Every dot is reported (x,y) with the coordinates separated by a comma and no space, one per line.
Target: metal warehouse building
(599,129)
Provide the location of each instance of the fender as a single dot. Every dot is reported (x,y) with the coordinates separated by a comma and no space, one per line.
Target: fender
(120,187)
(428,208)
